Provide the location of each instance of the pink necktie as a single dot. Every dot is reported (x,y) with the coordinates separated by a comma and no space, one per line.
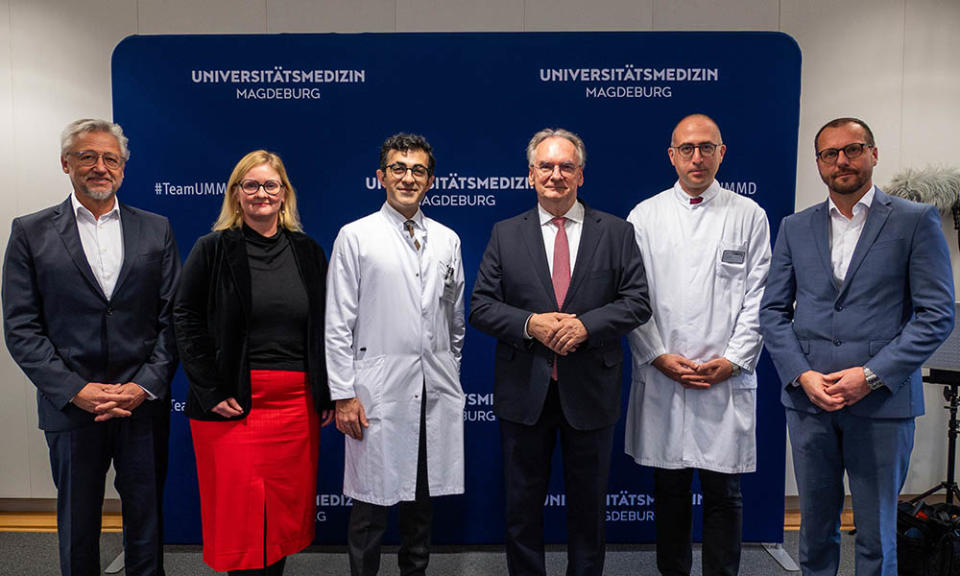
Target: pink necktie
(561,270)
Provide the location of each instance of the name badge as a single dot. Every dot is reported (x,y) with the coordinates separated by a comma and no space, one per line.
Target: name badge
(733,256)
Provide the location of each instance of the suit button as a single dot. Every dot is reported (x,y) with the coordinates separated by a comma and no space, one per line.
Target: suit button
(838,307)
(837,342)
(109,311)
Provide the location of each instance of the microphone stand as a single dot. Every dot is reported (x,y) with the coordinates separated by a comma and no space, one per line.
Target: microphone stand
(950,379)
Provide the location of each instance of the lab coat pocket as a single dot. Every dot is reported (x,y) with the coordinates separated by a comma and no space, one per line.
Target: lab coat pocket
(744,381)
(448,281)
(732,261)
(369,384)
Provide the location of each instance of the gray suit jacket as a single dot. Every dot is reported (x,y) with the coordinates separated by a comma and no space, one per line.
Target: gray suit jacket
(894,309)
(62,330)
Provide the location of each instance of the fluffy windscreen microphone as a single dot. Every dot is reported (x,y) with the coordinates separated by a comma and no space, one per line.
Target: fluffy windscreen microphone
(938,186)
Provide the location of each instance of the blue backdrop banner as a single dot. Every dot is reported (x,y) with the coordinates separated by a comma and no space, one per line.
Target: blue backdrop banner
(193,105)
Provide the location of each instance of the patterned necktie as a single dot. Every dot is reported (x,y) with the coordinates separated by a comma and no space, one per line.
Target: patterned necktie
(409,226)
(561,270)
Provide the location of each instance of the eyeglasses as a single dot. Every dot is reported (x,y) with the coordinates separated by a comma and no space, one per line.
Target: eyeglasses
(399,170)
(707,149)
(89,158)
(567,169)
(251,187)
(829,155)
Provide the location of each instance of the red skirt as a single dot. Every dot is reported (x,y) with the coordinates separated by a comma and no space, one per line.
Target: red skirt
(258,475)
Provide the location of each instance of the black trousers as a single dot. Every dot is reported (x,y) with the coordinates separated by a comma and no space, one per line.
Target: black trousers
(80,458)
(368,522)
(722,521)
(527,454)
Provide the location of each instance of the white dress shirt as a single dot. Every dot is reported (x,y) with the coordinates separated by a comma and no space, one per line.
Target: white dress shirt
(845,233)
(573,226)
(102,241)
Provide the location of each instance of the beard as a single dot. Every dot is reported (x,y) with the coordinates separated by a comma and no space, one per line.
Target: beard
(850,186)
(97,194)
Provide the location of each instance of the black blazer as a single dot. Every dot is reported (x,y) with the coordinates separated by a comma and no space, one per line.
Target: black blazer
(608,293)
(211,315)
(62,330)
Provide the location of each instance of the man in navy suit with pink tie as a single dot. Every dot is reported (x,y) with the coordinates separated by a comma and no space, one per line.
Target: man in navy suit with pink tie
(558,286)
(860,293)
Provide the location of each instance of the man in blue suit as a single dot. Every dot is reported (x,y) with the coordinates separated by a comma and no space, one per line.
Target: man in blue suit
(88,287)
(558,286)
(870,275)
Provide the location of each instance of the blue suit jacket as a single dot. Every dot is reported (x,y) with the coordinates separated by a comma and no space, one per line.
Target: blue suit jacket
(894,309)
(62,330)
(608,293)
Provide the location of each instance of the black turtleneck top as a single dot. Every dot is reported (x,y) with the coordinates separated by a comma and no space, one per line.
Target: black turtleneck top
(278,323)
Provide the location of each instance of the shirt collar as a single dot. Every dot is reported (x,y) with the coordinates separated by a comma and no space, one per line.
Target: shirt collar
(707,195)
(863,203)
(575,213)
(81,210)
(398,219)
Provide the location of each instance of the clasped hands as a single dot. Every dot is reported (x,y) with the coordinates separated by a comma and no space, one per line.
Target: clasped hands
(560,332)
(109,401)
(694,375)
(836,390)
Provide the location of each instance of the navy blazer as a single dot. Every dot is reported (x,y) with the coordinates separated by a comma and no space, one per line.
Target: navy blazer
(894,309)
(608,293)
(62,330)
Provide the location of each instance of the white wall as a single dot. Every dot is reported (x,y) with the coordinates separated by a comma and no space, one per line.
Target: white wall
(890,62)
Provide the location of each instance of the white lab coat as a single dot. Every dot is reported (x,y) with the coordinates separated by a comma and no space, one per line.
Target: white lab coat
(706,266)
(394,324)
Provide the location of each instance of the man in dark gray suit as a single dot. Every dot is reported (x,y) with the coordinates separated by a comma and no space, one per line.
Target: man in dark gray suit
(860,293)
(558,286)
(88,287)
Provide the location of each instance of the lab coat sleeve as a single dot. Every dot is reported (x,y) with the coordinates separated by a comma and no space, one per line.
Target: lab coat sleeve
(343,297)
(743,348)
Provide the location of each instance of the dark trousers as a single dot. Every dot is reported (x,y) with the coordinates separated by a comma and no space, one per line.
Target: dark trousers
(79,460)
(527,454)
(722,521)
(368,523)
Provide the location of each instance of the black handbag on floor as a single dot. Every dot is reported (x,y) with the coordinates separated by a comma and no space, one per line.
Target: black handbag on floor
(928,539)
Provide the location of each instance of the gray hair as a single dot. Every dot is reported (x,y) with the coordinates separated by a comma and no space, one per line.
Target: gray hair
(87,125)
(557,133)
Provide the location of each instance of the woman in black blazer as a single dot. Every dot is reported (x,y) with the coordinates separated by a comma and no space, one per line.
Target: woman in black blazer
(249,324)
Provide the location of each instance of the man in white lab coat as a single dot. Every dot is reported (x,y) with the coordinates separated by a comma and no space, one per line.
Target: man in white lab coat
(692,404)
(394,331)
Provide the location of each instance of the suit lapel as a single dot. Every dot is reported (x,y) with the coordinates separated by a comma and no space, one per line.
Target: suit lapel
(235,251)
(589,240)
(65,223)
(533,238)
(130,228)
(820,223)
(876,218)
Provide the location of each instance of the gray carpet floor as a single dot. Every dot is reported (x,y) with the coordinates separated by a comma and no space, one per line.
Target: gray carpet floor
(36,555)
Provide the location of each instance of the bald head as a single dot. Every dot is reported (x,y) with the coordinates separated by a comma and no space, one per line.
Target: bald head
(695,122)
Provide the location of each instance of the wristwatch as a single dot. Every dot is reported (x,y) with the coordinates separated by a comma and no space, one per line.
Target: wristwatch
(736,369)
(873,381)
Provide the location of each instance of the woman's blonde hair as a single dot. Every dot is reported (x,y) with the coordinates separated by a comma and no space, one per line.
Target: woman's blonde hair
(231,215)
